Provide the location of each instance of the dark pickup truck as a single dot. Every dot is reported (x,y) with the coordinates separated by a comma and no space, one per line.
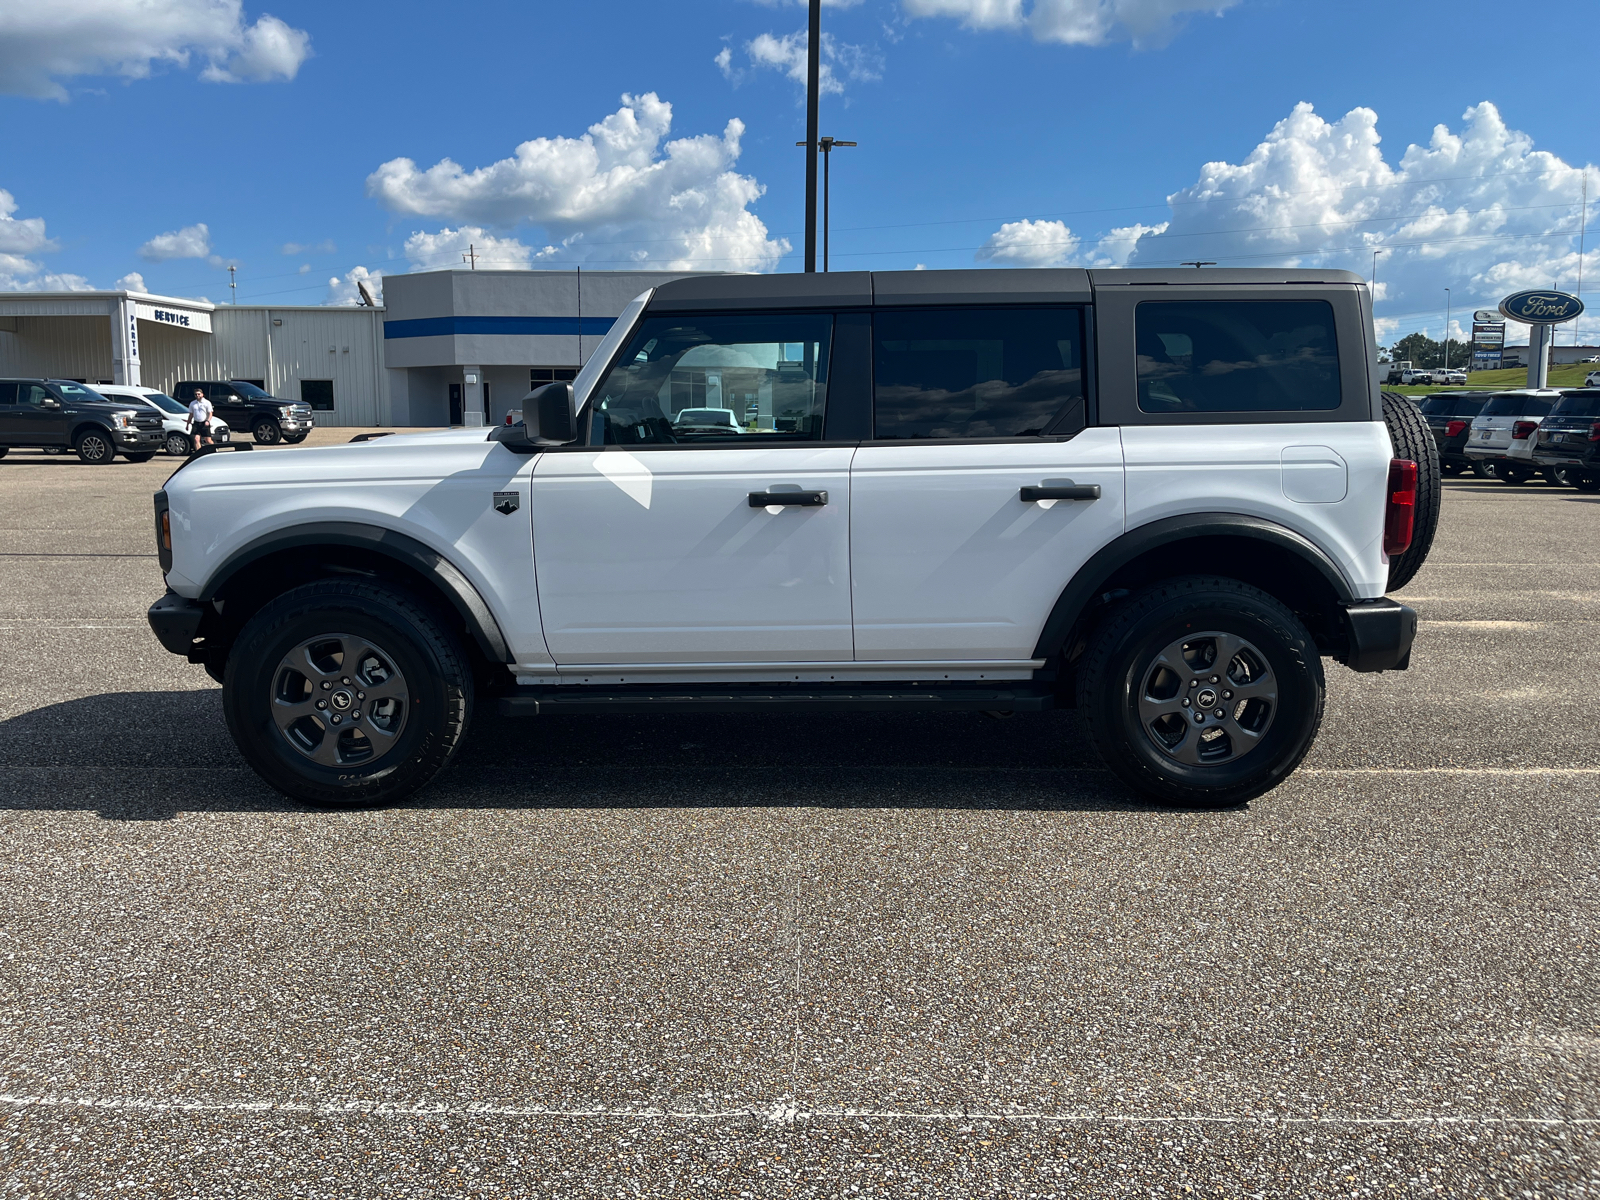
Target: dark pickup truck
(53,414)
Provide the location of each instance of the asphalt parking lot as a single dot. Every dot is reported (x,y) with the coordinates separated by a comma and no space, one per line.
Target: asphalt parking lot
(805,955)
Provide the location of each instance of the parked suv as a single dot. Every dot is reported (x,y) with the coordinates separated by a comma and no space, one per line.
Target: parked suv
(178,439)
(245,406)
(1568,439)
(54,414)
(1500,438)
(1162,497)
(1449,416)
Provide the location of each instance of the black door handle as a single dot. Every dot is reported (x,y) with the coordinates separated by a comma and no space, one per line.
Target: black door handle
(802,499)
(1072,491)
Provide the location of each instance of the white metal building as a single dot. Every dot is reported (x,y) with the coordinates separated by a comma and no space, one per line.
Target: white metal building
(451,347)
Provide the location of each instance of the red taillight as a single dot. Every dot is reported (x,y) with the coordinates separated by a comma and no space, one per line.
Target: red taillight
(1455,429)
(1399,515)
(1594,432)
(1523,430)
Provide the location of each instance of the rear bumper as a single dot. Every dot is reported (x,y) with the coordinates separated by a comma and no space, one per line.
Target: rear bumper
(176,621)
(1379,633)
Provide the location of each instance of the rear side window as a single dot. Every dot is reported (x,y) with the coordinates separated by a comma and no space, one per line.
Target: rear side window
(1515,406)
(8,393)
(717,380)
(977,372)
(1452,406)
(1212,356)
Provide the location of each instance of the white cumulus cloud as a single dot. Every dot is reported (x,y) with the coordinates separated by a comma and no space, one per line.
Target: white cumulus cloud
(619,195)
(45,42)
(1030,244)
(841,62)
(343,290)
(454,247)
(1479,210)
(131,282)
(21,237)
(192,241)
(1148,24)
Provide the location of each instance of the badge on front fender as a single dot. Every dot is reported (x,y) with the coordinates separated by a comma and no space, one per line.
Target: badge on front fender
(507,502)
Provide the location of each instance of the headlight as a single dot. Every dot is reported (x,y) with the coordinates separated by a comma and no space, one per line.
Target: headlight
(122,420)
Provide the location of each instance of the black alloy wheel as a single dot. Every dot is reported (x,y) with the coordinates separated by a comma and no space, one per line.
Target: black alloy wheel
(95,447)
(1201,691)
(1483,470)
(266,432)
(347,693)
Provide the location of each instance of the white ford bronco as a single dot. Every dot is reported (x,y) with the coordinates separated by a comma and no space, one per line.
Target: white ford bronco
(1160,497)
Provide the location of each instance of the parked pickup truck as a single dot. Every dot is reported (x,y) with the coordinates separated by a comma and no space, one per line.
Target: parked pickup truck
(1162,497)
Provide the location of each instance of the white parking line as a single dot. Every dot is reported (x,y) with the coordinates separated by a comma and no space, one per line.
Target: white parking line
(780,1112)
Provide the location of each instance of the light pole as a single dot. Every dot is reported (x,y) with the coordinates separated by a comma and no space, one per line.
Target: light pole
(1447,329)
(1374,288)
(826,145)
(813,86)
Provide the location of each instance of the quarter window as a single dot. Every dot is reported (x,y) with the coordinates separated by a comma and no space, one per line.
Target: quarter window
(977,372)
(716,380)
(1236,356)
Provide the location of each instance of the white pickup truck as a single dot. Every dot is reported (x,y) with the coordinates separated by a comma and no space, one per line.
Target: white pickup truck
(1161,497)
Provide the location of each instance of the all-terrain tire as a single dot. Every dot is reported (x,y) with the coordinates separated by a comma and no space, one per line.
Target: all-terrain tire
(279,657)
(1126,653)
(1411,438)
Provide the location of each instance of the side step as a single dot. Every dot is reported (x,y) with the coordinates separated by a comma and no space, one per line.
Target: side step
(644,698)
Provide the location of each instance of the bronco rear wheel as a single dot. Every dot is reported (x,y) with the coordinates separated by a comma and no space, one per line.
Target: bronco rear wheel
(347,693)
(1201,691)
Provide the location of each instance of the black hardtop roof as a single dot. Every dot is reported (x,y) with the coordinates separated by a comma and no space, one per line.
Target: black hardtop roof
(858,289)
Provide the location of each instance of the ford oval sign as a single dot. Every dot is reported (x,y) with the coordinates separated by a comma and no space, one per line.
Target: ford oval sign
(1541,307)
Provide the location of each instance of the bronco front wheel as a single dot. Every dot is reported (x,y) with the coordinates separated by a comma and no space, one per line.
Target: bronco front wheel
(345,693)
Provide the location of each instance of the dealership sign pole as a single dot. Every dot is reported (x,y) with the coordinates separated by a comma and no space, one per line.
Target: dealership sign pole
(1541,311)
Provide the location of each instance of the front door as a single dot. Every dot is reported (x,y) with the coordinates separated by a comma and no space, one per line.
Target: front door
(703,523)
(455,404)
(957,554)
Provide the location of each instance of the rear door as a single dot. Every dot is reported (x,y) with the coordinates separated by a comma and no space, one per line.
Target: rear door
(974,411)
(38,418)
(8,415)
(667,540)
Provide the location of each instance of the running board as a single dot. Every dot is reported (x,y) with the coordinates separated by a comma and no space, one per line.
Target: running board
(535,702)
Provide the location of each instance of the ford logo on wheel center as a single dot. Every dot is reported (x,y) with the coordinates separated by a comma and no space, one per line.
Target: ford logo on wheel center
(1540,307)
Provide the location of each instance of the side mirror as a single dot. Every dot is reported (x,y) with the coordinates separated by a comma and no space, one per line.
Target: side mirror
(558,423)
(558,418)
(50,402)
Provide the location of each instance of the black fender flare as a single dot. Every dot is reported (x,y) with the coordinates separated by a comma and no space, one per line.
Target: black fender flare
(1085,585)
(467,601)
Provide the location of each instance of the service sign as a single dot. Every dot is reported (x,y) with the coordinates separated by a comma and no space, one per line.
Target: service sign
(1539,307)
(196,320)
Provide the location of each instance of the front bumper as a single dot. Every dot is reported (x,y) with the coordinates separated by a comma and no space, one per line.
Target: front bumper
(1379,634)
(176,621)
(139,439)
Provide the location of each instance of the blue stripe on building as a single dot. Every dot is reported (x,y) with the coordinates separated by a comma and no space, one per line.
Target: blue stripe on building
(508,326)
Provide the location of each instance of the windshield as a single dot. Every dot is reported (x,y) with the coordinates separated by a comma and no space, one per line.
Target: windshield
(1515,406)
(1578,406)
(249,390)
(165,403)
(76,391)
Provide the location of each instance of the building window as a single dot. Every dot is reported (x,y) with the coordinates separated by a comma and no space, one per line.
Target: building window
(539,376)
(318,393)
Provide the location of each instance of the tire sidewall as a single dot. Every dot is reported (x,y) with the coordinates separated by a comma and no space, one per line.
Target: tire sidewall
(104,439)
(246,697)
(274,435)
(1294,724)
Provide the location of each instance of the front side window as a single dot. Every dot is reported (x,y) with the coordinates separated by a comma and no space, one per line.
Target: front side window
(1208,356)
(77,392)
(977,372)
(248,390)
(718,379)
(32,394)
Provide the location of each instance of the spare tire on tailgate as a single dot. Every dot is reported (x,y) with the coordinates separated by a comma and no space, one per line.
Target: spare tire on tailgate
(1411,438)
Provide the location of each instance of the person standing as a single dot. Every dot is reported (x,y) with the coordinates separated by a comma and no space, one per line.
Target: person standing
(200,411)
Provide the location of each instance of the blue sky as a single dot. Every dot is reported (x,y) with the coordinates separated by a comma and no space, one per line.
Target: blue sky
(310,140)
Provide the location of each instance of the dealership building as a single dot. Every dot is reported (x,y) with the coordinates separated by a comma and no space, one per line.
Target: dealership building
(445,348)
